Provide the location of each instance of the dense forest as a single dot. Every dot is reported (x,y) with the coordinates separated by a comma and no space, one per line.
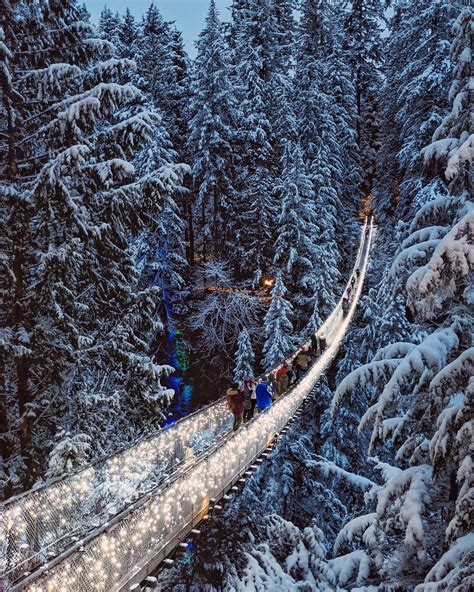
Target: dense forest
(152,202)
(373,489)
(198,218)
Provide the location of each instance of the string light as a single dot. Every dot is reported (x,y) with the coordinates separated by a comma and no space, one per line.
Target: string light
(46,519)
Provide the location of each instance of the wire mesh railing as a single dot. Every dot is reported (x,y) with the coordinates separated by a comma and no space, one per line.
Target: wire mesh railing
(53,520)
(40,525)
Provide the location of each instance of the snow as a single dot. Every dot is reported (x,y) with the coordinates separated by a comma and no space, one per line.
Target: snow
(422,361)
(388,471)
(462,155)
(346,566)
(441,149)
(410,490)
(354,528)
(328,467)
(444,571)
(454,253)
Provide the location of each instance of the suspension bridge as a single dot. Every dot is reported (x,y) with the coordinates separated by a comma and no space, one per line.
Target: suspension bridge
(109,525)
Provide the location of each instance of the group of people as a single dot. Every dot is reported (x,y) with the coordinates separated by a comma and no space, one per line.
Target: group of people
(350,293)
(243,399)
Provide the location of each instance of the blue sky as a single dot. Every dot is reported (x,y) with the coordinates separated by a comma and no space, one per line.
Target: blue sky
(189,15)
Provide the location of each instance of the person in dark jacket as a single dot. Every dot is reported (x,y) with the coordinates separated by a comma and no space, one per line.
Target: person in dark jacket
(345,306)
(250,398)
(264,396)
(291,375)
(236,403)
(302,361)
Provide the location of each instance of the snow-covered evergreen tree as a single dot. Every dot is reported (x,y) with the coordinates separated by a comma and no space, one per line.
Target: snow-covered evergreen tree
(211,138)
(127,36)
(325,105)
(417,65)
(419,534)
(362,45)
(295,249)
(254,55)
(277,327)
(109,25)
(163,68)
(78,327)
(244,358)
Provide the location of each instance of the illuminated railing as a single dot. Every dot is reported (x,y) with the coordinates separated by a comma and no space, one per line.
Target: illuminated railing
(42,523)
(52,521)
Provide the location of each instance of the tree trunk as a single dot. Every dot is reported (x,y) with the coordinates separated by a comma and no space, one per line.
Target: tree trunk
(190,233)
(22,370)
(5,447)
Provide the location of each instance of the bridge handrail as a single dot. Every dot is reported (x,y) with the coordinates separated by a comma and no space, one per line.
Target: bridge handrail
(121,552)
(48,519)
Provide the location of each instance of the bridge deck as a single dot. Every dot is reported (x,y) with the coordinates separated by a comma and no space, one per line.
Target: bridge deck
(106,527)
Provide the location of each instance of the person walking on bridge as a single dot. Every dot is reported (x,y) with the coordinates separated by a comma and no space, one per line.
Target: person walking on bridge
(345,306)
(236,403)
(302,362)
(264,396)
(283,369)
(250,398)
(283,383)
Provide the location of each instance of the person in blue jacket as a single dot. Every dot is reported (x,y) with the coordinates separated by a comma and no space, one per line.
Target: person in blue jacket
(264,396)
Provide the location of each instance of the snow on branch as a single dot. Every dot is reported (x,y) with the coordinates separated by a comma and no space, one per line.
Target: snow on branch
(450,263)
(328,467)
(357,527)
(448,379)
(135,130)
(52,78)
(394,351)
(373,373)
(419,365)
(445,433)
(111,96)
(453,567)
(113,170)
(346,566)
(412,257)
(75,118)
(73,158)
(111,69)
(408,491)
(440,149)
(462,155)
(422,235)
(462,519)
(440,208)
(388,471)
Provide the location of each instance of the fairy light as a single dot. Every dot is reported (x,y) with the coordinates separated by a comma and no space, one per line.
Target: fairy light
(43,517)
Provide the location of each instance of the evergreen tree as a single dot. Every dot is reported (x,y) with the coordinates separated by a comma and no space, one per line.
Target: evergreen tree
(419,412)
(211,138)
(363,53)
(254,55)
(180,92)
(244,357)
(416,67)
(295,249)
(78,326)
(127,36)
(277,327)
(109,26)
(163,66)
(326,129)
